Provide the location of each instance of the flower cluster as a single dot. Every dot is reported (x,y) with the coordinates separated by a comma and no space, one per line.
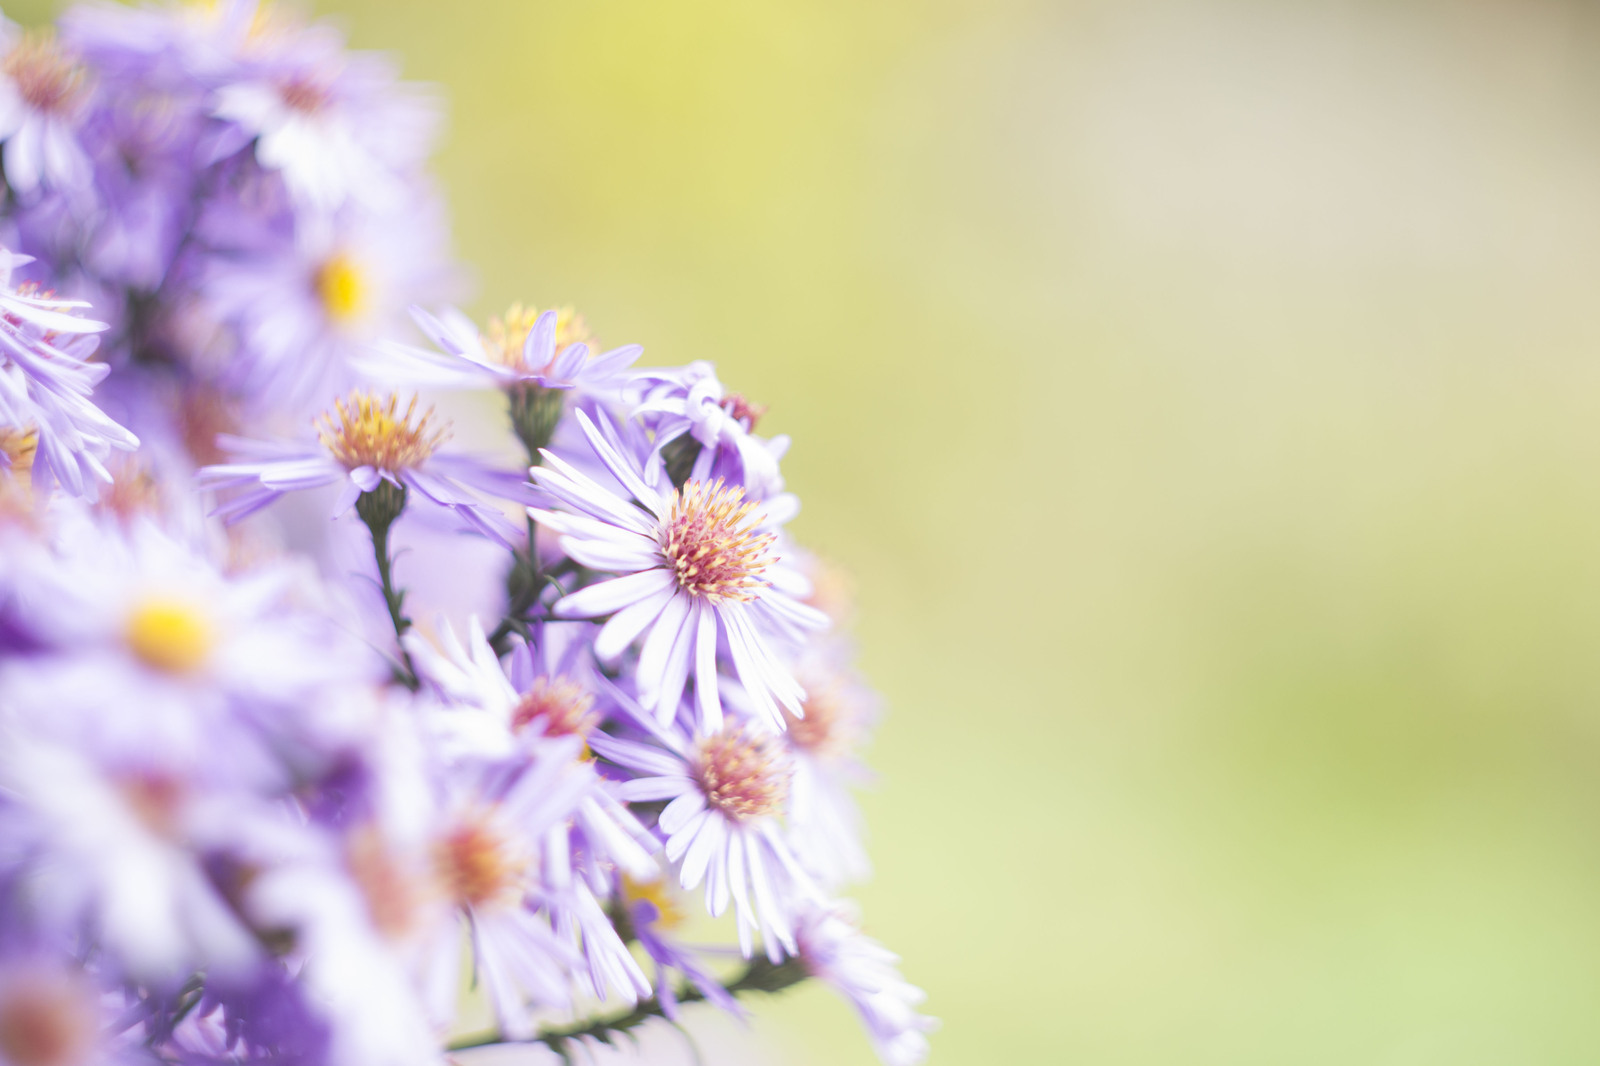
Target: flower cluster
(296,717)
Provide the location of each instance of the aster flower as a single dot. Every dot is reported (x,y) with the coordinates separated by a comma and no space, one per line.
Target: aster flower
(864,972)
(501,712)
(652,915)
(486,855)
(52,1013)
(550,349)
(535,358)
(46,382)
(337,125)
(304,310)
(824,823)
(43,95)
(695,565)
(725,792)
(705,432)
(363,444)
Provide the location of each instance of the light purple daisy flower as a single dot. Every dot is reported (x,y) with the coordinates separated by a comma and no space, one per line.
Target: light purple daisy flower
(46,381)
(362,444)
(305,309)
(550,349)
(652,914)
(689,405)
(43,98)
(864,972)
(501,712)
(487,854)
(695,565)
(721,825)
(339,126)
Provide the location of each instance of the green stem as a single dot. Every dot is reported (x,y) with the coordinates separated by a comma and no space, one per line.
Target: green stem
(378,509)
(759,975)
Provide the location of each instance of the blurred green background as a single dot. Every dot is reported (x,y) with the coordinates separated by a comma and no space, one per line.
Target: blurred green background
(1203,393)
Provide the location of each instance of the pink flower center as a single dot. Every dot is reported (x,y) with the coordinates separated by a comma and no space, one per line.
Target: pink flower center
(743,411)
(46,79)
(477,864)
(303,95)
(740,777)
(560,705)
(390,893)
(709,539)
(45,1020)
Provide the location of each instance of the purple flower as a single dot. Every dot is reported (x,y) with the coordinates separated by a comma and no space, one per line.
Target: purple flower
(695,565)
(689,404)
(652,913)
(725,793)
(362,444)
(46,381)
(304,308)
(43,96)
(523,347)
(824,824)
(502,713)
(339,126)
(863,971)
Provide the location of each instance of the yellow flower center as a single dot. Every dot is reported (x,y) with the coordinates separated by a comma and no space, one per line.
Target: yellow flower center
(342,287)
(657,893)
(19,448)
(709,539)
(170,635)
(366,431)
(505,335)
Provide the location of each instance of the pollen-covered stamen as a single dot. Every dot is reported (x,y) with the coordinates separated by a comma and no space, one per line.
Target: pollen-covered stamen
(505,335)
(740,776)
(303,94)
(742,410)
(366,431)
(827,723)
(557,705)
(46,78)
(19,448)
(658,894)
(391,893)
(156,800)
(478,865)
(174,636)
(709,540)
(47,1018)
(342,287)
(133,491)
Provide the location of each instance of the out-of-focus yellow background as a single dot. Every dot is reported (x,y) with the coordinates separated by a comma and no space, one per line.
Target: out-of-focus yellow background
(1206,396)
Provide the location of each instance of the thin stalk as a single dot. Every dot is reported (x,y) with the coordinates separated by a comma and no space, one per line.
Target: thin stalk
(759,975)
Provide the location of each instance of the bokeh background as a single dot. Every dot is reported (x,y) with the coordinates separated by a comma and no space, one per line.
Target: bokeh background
(1204,394)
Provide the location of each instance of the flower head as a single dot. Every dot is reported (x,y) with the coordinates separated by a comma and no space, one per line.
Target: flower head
(695,563)
(864,972)
(363,441)
(366,431)
(42,93)
(521,349)
(726,794)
